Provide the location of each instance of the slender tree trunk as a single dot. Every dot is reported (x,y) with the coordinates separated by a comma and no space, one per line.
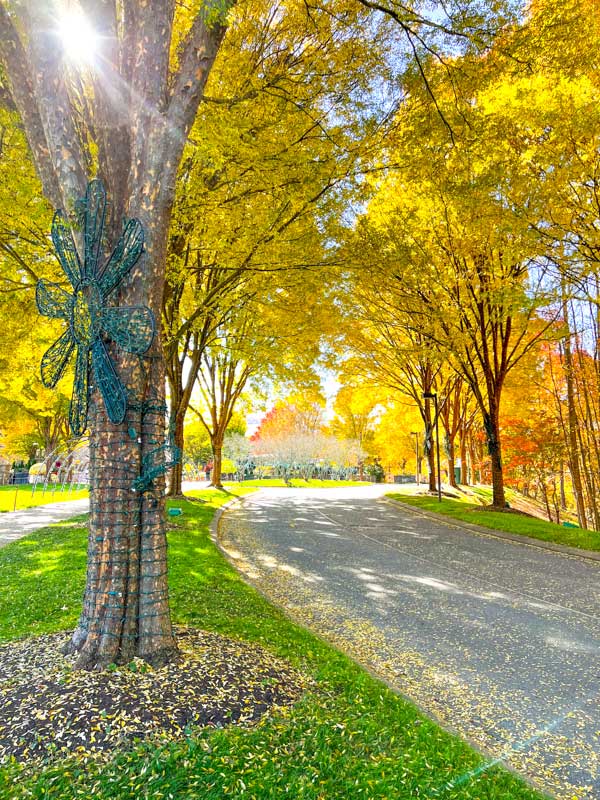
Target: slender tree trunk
(563,496)
(555,501)
(544,491)
(490,422)
(174,369)
(180,396)
(217,450)
(473,476)
(176,473)
(451,459)
(464,477)
(430,452)
(573,426)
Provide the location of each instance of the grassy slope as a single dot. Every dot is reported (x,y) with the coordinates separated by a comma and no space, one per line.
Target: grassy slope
(27,496)
(349,738)
(500,521)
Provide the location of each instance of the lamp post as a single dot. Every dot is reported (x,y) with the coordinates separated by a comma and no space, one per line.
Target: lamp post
(433,396)
(417,472)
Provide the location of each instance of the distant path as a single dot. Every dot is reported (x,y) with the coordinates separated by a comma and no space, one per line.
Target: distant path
(498,640)
(16,524)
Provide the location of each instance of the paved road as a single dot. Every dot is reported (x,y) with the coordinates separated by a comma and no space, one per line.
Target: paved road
(16,524)
(500,641)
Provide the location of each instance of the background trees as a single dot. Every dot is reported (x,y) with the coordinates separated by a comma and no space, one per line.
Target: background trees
(474,235)
(272,161)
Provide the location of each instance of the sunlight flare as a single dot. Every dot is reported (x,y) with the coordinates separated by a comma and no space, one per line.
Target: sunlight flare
(79,39)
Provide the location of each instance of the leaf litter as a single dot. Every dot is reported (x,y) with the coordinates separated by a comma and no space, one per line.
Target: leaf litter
(48,709)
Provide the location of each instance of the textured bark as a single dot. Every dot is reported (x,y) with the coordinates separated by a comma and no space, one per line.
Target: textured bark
(126,610)
(18,70)
(464,474)
(573,428)
(430,453)
(451,461)
(217,451)
(137,115)
(175,488)
(492,429)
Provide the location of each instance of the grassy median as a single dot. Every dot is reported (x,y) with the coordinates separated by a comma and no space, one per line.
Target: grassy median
(518,524)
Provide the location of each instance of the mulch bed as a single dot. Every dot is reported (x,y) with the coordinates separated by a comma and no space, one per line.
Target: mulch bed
(49,709)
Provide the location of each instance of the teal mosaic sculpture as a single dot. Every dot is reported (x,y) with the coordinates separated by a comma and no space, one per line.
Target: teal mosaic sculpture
(90,319)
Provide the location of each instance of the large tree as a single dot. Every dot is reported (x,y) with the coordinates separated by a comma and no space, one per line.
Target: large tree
(272,158)
(125,116)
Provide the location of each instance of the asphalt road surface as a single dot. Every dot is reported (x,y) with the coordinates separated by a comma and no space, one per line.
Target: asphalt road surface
(499,641)
(16,524)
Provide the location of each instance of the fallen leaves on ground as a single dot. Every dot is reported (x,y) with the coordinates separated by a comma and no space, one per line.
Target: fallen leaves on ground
(49,709)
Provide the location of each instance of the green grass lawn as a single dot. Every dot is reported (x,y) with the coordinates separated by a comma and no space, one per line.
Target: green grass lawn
(501,521)
(296,483)
(350,737)
(27,495)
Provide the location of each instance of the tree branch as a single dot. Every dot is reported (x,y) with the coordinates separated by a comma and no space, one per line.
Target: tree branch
(18,70)
(109,108)
(197,56)
(55,107)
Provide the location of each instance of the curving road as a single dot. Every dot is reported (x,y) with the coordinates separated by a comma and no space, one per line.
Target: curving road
(499,641)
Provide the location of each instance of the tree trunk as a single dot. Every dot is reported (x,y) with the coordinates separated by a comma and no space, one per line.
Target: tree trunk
(176,473)
(544,491)
(126,607)
(432,473)
(217,450)
(563,496)
(573,427)
(464,475)
(498,495)
(429,448)
(490,422)
(450,460)
(556,501)
(474,475)
(176,421)
(138,117)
